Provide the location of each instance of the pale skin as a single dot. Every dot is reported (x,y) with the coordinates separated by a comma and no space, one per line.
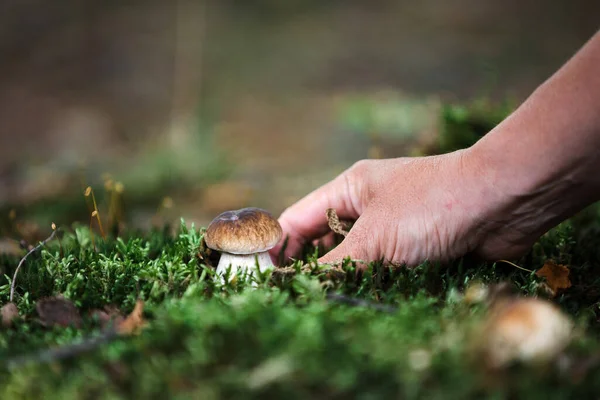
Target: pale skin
(494,199)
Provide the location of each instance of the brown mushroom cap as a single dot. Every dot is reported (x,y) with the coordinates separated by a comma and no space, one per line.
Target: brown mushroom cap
(244,231)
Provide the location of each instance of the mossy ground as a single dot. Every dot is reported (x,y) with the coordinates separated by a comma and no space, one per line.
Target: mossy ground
(286,338)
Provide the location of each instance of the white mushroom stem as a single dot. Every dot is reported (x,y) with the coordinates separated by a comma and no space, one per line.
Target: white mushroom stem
(243,263)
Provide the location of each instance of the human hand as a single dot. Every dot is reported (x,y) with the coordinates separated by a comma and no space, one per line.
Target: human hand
(407,210)
(534,170)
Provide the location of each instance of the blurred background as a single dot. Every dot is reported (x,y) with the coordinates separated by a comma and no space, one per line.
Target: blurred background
(183,108)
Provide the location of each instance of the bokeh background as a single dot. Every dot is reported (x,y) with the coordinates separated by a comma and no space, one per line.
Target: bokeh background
(184,108)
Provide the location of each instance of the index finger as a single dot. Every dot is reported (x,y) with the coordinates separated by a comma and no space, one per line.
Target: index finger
(305,220)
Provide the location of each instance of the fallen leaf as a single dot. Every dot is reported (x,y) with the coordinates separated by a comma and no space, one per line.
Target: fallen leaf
(134,322)
(557,276)
(58,311)
(9,313)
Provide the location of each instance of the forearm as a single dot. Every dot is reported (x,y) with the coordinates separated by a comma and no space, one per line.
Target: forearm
(544,159)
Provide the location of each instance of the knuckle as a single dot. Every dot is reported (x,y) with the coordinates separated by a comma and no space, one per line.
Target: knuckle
(359,168)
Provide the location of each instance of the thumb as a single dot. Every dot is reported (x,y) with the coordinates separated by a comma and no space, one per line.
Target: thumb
(305,220)
(356,245)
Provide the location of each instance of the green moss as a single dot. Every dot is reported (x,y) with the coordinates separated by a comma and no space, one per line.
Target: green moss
(284,338)
(464,124)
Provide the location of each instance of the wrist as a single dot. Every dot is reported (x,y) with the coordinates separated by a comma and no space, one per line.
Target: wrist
(532,186)
(486,192)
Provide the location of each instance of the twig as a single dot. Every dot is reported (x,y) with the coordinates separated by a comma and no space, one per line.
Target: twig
(66,351)
(12,284)
(516,266)
(352,301)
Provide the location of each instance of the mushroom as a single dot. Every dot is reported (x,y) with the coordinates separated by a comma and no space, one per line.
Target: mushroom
(243,237)
(528,330)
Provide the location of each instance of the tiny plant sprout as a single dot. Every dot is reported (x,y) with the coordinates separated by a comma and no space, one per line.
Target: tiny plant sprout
(95,214)
(243,237)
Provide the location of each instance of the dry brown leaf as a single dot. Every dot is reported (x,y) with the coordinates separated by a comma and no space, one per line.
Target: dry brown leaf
(9,313)
(557,276)
(58,311)
(134,322)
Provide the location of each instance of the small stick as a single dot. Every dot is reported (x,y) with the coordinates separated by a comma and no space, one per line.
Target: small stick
(66,351)
(352,301)
(12,284)
(59,242)
(89,191)
(97,216)
(516,266)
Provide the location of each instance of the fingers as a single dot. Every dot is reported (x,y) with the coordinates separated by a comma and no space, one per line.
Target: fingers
(306,220)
